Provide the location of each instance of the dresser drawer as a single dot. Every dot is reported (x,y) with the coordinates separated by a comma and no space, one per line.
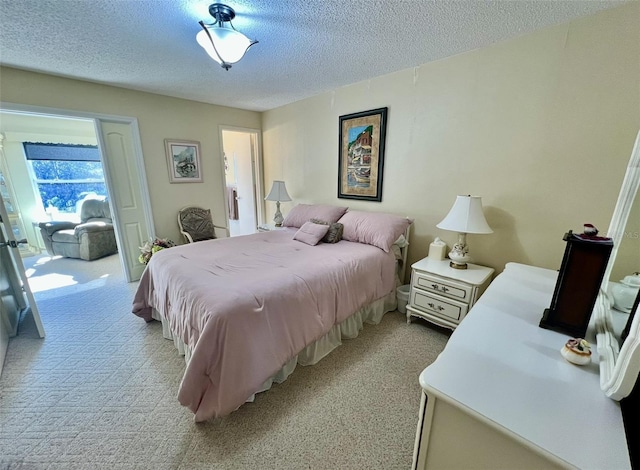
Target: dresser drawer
(448,288)
(437,305)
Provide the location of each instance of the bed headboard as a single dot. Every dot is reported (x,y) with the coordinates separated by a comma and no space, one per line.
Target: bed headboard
(402,269)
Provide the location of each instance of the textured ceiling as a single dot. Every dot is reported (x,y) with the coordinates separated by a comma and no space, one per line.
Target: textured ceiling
(306,47)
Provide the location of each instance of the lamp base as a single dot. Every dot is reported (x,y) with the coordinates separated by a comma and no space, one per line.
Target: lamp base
(457,265)
(277,218)
(459,254)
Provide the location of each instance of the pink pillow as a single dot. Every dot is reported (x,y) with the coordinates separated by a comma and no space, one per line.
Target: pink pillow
(302,213)
(311,233)
(373,228)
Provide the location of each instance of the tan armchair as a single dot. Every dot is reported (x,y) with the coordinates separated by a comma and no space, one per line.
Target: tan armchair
(91,239)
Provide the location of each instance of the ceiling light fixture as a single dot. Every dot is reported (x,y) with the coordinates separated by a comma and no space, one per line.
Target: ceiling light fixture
(223,42)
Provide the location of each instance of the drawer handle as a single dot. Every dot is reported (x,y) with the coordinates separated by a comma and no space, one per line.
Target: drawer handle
(438,287)
(436,307)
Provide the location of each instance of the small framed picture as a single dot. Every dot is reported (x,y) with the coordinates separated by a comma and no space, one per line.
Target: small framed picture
(361,155)
(183,161)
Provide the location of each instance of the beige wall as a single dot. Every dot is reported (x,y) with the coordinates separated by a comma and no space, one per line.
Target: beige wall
(159,117)
(541,127)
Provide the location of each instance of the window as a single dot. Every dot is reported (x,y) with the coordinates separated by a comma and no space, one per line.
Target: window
(65,174)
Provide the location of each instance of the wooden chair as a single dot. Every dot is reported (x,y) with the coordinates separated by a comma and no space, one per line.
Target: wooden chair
(196,224)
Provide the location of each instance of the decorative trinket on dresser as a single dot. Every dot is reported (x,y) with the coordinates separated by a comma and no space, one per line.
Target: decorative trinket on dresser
(577,351)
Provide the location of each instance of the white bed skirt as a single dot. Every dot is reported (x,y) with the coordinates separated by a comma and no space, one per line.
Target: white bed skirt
(312,354)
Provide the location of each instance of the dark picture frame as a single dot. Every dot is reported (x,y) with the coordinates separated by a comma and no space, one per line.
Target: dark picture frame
(361,154)
(183,161)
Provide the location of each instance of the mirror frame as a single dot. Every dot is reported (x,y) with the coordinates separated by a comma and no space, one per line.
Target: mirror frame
(619,367)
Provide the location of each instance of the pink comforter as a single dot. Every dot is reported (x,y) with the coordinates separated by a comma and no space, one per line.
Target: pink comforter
(247,305)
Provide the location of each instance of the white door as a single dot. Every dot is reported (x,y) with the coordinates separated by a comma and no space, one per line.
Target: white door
(12,299)
(16,278)
(239,152)
(127,185)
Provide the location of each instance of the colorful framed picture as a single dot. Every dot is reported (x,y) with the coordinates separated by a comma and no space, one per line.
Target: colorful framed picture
(361,155)
(183,160)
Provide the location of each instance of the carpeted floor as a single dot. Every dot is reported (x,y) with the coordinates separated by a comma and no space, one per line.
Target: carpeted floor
(100,391)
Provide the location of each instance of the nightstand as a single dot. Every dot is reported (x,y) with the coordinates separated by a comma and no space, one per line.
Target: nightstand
(269,227)
(443,295)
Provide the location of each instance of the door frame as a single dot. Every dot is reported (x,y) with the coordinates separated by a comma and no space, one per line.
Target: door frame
(137,151)
(256,165)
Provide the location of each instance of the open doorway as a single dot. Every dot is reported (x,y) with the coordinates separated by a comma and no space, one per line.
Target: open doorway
(48,167)
(120,172)
(242,170)
(120,149)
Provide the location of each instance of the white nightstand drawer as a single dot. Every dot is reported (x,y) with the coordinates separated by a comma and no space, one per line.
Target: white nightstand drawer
(438,305)
(448,288)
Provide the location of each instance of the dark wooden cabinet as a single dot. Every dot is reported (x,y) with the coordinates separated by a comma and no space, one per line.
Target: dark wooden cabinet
(583,265)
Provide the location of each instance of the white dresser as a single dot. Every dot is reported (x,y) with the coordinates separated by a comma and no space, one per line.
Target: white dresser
(500,395)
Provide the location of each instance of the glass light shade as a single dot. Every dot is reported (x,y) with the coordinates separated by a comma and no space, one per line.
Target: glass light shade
(278,192)
(466,216)
(229,43)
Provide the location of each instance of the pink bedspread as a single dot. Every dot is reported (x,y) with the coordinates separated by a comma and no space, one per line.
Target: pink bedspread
(247,305)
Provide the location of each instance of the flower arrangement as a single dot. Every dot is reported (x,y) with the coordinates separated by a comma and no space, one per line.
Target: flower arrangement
(153,246)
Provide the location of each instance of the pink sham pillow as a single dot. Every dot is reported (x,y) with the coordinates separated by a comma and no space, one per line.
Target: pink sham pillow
(302,213)
(373,228)
(311,233)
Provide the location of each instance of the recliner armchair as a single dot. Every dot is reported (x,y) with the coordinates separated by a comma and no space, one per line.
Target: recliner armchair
(91,239)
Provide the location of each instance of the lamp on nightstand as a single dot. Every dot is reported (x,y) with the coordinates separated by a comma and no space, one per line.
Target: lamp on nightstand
(278,194)
(465,216)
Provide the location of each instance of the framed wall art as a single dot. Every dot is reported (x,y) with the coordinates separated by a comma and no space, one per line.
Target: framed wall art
(361,155)
(183,160)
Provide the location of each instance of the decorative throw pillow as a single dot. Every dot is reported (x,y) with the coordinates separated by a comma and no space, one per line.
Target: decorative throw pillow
(311,233)
(374,228)
(302,213)
(334,234)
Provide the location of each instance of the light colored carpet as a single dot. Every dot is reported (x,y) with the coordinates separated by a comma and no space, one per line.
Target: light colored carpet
(100,391)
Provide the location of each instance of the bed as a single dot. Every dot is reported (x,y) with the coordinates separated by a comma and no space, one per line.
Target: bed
(245,310)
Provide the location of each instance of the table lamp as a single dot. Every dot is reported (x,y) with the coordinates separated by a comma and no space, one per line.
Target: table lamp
(278,194)
(465,216)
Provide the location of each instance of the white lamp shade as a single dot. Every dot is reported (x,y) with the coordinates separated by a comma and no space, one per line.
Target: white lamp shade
(466,216)
(278,192)
(230,44)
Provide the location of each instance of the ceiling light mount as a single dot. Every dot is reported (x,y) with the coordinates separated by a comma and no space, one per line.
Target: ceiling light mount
(221,13)
(221,40)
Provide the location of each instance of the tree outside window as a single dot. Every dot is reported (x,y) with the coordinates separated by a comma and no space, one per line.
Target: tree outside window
(66,174)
